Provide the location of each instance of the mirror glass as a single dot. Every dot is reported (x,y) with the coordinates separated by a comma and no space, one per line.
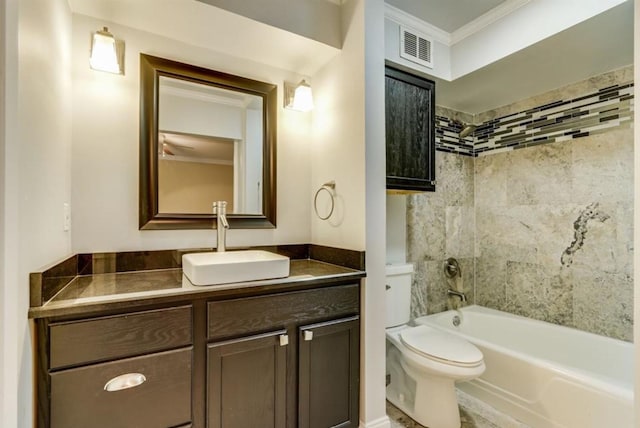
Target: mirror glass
(205,136)
(209,148)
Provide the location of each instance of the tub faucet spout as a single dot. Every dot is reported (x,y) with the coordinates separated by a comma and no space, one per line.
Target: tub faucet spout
(220,211)
(461,295)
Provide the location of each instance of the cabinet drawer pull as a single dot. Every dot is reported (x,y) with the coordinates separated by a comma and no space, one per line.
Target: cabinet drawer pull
(284,339)
(125,381)
(308,335)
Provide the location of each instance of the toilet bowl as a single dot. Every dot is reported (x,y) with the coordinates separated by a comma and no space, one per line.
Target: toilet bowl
(424,363)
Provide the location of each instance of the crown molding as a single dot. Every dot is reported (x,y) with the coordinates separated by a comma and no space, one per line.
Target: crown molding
(403,18)
(486,19)
(449,39)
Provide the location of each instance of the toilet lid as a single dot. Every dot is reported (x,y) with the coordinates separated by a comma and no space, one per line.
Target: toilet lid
(440,346)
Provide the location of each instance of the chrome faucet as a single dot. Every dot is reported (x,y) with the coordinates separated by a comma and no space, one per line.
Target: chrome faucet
(461,295)
(220,211)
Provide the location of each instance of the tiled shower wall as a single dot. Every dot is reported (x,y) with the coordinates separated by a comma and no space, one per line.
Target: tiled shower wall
(539,212)
(441,224)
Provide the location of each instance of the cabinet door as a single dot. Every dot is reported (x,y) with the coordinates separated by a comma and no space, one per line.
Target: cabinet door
(246,381)
(410,131)
(329,356)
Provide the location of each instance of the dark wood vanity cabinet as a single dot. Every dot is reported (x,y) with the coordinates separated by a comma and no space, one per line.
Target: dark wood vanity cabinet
(288,359)
(127,370)
(410,131)
(285,360)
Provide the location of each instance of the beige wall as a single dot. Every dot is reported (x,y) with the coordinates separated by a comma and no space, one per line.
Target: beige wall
(190,187)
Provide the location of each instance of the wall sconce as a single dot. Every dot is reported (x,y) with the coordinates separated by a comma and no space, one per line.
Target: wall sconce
(298,97)
(107,54)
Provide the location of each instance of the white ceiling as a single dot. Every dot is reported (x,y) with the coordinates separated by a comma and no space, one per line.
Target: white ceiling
(448,15)
(595,46)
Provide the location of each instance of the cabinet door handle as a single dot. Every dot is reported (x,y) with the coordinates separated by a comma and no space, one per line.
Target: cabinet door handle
(125,381)
(308,335)
(284,339)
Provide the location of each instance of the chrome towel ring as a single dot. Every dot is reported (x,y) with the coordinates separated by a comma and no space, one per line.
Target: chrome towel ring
(328,187)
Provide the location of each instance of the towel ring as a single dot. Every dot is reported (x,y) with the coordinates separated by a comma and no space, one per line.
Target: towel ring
(329,187)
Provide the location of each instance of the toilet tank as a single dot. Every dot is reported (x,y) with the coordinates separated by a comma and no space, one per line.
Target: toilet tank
(398,293)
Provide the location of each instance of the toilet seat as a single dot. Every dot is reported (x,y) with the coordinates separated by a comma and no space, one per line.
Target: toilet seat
(441,347)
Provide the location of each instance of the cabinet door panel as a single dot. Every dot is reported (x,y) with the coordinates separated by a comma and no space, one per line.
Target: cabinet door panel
(246,382)
(79,398)
(410,131)
(329,374)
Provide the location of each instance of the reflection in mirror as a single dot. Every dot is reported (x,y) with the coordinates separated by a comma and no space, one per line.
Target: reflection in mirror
(205,136)
(209,148)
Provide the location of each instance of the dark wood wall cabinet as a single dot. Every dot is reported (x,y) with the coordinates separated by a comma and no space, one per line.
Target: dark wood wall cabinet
(410,131)
(282,360)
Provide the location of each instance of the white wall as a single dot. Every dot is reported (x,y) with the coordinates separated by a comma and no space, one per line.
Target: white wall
(441,52)
(373,380)
(194,116)
(8,72)
(338,135)
(36,178)
(253,150)
(105,148)
(348,147)
(498,34)
(515,32)
(396,229)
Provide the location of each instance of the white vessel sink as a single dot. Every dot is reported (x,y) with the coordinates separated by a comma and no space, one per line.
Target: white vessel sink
(233,266)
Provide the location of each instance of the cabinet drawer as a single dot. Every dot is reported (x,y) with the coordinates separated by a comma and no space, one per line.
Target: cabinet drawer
(101,339)
(263,313)
(79,398)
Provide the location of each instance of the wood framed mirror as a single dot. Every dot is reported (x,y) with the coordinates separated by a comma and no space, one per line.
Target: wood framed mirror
(205,136)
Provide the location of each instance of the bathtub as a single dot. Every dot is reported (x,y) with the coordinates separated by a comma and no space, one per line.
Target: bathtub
(543,374)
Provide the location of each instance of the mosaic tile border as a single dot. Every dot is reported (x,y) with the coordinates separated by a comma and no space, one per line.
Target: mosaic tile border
(596,112)
(448,137)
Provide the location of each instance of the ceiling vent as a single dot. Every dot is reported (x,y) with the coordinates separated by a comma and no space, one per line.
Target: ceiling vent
(416,47)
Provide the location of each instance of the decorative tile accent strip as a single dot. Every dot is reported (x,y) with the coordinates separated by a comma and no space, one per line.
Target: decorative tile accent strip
(593,113)
(562,120)
(448,137)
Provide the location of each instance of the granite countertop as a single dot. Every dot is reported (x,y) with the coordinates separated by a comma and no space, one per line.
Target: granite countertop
(104,291)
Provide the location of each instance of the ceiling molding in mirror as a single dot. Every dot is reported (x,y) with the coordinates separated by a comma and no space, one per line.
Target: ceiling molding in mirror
(205,135)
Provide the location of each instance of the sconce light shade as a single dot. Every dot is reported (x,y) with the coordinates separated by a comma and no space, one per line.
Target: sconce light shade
(298,97)
(104,53)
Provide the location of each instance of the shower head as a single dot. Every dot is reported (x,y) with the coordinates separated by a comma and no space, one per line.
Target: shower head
(467,130)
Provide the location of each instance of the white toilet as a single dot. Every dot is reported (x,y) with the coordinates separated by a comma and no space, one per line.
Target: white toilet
(424,363)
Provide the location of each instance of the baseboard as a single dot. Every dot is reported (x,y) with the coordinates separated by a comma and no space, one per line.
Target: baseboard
(382,422)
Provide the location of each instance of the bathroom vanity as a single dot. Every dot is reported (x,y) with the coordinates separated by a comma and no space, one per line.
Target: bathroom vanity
(146,348)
